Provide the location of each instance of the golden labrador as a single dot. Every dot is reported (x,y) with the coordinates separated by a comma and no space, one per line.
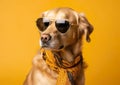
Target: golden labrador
(62,31)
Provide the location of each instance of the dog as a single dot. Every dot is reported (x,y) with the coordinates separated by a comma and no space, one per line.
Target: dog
(62,31)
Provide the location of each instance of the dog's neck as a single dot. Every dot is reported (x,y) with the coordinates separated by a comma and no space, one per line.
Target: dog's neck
(70,52)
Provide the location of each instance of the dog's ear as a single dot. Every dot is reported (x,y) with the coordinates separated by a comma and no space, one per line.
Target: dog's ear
(85,26)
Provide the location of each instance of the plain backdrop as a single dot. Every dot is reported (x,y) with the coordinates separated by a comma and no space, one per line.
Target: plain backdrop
(19,38)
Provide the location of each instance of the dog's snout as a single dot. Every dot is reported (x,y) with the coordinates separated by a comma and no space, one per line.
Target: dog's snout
(45,38)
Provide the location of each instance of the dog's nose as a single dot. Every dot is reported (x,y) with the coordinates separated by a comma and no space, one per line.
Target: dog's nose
(45,38)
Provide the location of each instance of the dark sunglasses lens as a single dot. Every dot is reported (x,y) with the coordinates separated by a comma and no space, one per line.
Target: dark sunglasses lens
(42,24)
(62,25)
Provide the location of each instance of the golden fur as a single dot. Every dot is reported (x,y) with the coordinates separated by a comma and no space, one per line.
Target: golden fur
(40,73)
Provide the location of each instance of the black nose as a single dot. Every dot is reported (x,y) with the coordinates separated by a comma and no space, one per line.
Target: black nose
(45,38)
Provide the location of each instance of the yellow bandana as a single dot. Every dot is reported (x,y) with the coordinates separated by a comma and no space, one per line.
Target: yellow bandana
(65,69)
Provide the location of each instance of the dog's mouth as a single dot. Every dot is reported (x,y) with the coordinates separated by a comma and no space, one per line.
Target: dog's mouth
(46,46)
(61,47)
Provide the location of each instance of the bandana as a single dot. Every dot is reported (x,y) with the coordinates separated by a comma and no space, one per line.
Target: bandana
(66,70)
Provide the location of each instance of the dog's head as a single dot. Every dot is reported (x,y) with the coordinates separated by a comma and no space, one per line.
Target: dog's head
(62,27)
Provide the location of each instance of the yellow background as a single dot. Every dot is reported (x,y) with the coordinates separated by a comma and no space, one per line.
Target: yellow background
(19,38)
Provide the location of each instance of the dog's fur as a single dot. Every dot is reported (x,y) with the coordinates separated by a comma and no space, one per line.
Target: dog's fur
(71,41)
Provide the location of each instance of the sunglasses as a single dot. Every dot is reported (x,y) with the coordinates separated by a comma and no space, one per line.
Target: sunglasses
(62,25)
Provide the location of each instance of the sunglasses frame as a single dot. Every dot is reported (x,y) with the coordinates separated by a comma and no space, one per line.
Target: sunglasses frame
(51,21)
